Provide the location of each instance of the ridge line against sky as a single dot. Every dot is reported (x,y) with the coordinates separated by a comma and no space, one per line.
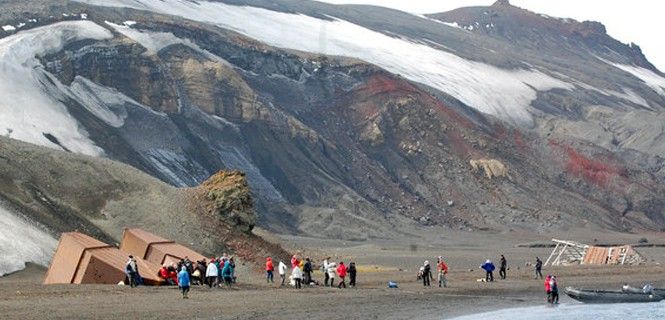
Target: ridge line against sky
(634,21)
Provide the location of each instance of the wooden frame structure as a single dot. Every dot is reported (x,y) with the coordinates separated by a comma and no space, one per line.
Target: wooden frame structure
(570,252)
(567,252)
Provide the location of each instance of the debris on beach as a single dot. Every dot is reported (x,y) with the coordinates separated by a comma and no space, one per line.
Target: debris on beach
(570,252)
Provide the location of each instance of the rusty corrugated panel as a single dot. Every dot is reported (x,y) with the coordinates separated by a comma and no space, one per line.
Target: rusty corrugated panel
(68,255)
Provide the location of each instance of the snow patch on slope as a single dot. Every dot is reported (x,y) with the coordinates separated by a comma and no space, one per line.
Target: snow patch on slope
(105,103)
(152,41)
(21,242)
(504,93)
(631,96)
(28,109)
(156,41)
(652,79)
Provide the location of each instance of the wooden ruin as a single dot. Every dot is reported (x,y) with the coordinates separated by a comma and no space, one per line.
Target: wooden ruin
(570,252)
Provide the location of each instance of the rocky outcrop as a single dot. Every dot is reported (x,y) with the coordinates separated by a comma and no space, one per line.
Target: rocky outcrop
(491,167)
(229,197)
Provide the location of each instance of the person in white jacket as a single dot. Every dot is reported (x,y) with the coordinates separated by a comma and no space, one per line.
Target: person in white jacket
(324,269)
(281,268)
(296,274)
(332,271)
(211,274)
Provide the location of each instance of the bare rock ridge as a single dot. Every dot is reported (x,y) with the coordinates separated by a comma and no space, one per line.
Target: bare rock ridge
(501,3)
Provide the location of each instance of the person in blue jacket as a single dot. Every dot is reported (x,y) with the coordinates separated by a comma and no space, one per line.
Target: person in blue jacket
(489,269)
(227,273)
(183,282)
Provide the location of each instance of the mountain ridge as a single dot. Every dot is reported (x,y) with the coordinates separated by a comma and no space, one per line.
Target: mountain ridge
(345,138)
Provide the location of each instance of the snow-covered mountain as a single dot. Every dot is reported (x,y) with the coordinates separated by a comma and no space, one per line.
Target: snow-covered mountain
(348,119)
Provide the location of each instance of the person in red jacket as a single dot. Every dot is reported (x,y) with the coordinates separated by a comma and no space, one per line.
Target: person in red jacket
(442,270)
(548,288)
(295,261)
(173,274)
(270,268)
(164,274)
(341,272)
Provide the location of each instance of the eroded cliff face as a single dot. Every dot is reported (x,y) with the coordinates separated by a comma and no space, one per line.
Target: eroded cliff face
(333,146)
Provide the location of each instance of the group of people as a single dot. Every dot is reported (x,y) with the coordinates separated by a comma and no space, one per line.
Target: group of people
(222,270)
(217,271)
(489,268)
(425,273)
(551,288)
(302,270)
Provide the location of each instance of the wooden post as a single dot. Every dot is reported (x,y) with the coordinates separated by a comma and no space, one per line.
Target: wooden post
(552,254)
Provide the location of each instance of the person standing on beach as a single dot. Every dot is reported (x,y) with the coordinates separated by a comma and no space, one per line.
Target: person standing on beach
(442,270)
(341,272)
(270,268)
(331,272)
(502,269)
(183,282)
(554,291)
(539,268)
(427,274)
(548,289)
(212,273)
(132,272)
(296,274)
(352,274)
(488,266)
(324,268)
(307,271)
(281,268)
(233,269)
(227,273)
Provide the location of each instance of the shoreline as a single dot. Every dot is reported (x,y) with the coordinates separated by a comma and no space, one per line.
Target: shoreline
(26,298)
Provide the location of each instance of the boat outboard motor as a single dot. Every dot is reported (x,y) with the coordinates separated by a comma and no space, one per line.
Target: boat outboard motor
(648,288)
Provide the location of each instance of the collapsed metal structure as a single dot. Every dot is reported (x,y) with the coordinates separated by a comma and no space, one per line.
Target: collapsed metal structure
(81,259)
(570,252)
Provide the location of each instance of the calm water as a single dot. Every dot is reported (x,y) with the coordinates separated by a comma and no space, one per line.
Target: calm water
(619,311)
